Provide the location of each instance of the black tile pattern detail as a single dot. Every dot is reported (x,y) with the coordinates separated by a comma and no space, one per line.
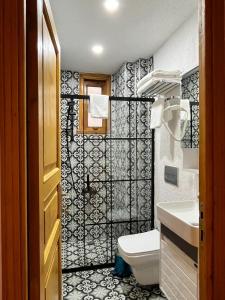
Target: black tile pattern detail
(101,285)
(92,225)
(124,81)
(190,90)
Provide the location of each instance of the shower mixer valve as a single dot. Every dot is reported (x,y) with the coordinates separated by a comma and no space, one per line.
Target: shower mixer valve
(89,190)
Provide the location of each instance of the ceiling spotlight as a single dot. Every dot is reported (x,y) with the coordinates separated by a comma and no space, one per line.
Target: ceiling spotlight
(111,5)
(97,49)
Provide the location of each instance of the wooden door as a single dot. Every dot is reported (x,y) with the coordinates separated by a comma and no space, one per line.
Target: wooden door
(43,73)
(212,150)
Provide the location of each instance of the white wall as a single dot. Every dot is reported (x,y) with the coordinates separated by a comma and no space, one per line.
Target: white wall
(179,52)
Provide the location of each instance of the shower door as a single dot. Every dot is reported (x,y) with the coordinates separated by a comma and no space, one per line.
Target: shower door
(111,191)
(97,200)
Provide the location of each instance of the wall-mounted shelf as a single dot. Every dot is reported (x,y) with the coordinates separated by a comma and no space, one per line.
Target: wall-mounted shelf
(160,87)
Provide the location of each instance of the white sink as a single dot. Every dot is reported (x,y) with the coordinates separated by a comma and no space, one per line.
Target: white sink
(182,218)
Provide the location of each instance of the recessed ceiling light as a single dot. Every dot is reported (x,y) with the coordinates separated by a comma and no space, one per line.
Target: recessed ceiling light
(111,5)
(97,49)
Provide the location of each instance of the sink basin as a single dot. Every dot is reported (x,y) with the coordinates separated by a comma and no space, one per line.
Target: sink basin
(182,218)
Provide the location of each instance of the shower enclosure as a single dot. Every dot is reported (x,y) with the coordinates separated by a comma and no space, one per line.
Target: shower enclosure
(107,181)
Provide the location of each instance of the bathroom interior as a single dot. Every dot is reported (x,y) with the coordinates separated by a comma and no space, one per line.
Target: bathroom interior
(129,148)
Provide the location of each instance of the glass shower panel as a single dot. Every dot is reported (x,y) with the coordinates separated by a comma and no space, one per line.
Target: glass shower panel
(121,206)
(107,182)
(120,159)
(94,158)
(97,244)
(119,119)
(144,159)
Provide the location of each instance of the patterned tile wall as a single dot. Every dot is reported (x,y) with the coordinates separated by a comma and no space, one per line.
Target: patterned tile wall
(83,216)
(86,221)
(190,90)
(124,83)
(87,232)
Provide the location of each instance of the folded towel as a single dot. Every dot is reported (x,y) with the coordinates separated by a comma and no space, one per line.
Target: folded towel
(150,83)
(160,73)
(176,74)
(94,122)
(185,104)
(157,113)
(99,106)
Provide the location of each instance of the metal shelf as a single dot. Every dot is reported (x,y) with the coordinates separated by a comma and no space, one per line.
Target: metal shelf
(160,87)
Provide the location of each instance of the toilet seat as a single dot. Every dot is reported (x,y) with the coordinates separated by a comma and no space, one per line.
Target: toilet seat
(147,243)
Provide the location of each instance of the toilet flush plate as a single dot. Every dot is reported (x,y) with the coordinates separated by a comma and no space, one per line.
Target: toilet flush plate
(182,218)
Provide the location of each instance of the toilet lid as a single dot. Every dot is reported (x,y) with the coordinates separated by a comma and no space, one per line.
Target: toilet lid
(140,243)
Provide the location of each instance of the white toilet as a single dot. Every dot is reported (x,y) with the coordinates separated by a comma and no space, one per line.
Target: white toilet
(141,252)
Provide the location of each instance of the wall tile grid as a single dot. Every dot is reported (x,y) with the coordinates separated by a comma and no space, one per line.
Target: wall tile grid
(126,202)
(124,84)
(87,232)
(190,90)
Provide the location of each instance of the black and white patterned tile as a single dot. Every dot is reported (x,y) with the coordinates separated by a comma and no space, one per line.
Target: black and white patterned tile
(142,68)
(190,90)
(84,217)
(92,225)
(94,252)
(102,285)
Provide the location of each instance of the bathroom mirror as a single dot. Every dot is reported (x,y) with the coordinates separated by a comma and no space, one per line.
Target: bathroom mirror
(190,90)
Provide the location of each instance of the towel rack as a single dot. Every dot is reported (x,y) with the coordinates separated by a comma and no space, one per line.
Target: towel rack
(161,87)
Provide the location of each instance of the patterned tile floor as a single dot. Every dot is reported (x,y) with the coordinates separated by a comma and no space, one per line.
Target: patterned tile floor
(96,252)
(102,285)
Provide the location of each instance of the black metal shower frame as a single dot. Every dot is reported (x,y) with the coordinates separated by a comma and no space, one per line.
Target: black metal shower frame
(70,116)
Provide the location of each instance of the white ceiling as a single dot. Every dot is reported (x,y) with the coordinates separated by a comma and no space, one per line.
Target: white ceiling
(136,30)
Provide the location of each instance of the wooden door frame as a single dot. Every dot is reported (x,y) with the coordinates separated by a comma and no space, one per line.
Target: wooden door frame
(93,77)
(212,148)
(13,237)
(13,223)
(97,77)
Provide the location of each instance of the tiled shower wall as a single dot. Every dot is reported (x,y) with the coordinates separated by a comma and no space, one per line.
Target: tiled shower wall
(69,85)
(126,202)
(83,218)
(124,81)
(190,90)
(137,128)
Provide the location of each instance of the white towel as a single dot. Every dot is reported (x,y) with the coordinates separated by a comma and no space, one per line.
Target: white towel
(157,113)
(99,106)
(167,115)
(166,75)
(94,122)
(150,83)
(185,104)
